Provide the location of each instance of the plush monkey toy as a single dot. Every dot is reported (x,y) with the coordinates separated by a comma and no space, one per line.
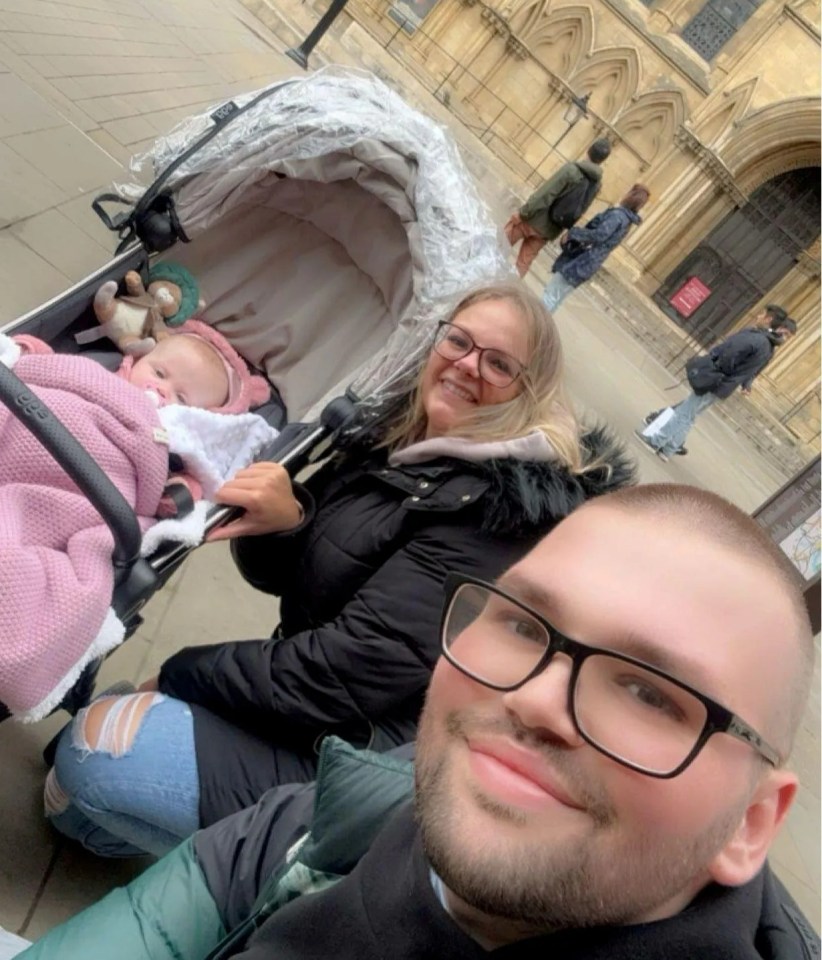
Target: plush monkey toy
(137,321)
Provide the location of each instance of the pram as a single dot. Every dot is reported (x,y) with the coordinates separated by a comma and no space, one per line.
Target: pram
(326,222)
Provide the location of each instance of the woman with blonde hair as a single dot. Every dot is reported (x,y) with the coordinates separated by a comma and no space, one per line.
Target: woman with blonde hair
(482,461)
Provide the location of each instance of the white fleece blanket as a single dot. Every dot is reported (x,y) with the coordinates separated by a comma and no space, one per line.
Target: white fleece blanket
(213,447)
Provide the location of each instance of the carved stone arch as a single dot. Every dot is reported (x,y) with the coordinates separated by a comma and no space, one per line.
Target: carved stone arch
(563,39)
(611,76)
(528,17)
(649,124)
(726,111)
(772,140)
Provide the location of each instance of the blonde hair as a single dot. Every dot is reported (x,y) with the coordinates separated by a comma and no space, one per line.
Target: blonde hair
(542,403)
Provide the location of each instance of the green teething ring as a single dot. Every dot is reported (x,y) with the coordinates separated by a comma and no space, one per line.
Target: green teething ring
(189,288)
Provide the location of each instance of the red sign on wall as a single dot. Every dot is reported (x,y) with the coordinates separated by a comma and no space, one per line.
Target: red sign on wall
(689,296)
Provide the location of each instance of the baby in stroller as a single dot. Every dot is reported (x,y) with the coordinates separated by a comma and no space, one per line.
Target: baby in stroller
(175,420)
(194,366)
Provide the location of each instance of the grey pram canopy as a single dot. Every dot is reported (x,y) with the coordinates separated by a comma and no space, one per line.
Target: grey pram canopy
(331,224)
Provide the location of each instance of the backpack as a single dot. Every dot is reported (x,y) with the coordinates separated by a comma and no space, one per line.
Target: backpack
(570,206)
(703,375)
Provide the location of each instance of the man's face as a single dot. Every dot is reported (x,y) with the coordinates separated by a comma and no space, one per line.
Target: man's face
(523,819)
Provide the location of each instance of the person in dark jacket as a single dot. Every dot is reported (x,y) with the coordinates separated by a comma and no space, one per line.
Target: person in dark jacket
(532,223)
(585,249)
(592,798)
(733,363)
(484,459)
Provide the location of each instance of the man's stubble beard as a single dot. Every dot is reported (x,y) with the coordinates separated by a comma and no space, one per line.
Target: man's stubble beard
(582,882)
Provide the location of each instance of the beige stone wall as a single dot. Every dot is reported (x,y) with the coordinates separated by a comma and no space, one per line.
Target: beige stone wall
(703,136)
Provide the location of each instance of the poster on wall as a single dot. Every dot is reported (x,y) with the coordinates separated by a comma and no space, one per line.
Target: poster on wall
(690,295)
(792,520)
(409,14)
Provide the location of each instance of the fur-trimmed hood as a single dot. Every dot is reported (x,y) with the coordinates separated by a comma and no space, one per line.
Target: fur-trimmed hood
(519,496)
(525,494)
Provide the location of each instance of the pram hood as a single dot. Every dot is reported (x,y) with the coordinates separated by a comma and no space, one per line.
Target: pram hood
(331,225)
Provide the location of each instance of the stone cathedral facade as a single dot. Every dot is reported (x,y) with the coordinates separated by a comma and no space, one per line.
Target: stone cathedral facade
(714,104)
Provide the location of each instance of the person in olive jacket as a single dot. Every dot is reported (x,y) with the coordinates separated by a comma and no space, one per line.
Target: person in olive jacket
(483,461)
(533,223)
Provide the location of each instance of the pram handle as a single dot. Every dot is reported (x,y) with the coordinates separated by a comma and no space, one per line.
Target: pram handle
(83,469)
(298,445)
(293,456)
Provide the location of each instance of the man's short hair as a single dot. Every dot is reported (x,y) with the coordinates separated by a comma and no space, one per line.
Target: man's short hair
(727,525)
(777,316)
(599,150)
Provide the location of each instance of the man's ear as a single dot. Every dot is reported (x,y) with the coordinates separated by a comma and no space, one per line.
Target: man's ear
(743,855)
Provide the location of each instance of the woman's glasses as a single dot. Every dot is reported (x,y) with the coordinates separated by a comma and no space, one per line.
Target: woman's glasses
(495,367)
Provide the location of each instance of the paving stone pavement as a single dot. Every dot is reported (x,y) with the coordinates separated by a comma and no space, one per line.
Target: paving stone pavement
(85,84)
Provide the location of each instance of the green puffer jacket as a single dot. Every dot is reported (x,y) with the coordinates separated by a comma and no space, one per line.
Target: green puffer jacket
(536,209)
(205,898)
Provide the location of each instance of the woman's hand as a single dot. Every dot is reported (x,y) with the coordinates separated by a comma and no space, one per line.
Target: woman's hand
(264,491)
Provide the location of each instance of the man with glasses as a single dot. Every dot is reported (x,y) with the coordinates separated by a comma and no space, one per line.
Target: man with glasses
(599,774)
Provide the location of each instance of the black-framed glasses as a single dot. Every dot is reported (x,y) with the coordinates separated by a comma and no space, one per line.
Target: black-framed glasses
(495,366)
(634,713)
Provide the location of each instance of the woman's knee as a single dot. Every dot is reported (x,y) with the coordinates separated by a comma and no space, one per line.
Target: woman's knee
(110,724)
(101,732)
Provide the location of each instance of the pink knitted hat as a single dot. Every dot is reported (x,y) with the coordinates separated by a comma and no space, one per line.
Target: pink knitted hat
(245,389)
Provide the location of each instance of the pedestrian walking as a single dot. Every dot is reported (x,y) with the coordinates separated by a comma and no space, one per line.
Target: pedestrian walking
(733,363)
(585,249)
(557,205)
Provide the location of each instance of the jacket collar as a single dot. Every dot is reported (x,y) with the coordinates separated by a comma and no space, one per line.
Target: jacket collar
(535,446)
(635,218)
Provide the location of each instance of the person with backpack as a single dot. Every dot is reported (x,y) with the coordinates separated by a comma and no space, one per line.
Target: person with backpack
(585,249)
(730,364)
(557,205)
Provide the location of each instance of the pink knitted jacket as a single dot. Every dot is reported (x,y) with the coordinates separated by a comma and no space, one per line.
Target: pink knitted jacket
(56,575)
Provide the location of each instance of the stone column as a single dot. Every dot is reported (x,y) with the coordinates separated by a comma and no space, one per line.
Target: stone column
(435,27)
(698,200)
(670,16)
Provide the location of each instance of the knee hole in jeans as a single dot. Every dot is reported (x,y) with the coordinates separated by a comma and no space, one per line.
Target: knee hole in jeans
(55,798)
(110,724)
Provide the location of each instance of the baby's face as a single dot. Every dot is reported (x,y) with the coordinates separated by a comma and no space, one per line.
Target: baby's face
(185,370)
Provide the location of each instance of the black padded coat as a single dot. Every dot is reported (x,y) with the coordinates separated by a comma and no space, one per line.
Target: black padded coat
(361,587)
(741,357)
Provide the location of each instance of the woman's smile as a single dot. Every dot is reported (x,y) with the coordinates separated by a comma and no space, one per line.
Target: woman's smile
(463,393)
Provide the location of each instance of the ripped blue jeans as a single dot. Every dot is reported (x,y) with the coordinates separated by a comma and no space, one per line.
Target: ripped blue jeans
(138,791)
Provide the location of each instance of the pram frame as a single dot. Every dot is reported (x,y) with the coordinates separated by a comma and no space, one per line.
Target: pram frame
(151,227)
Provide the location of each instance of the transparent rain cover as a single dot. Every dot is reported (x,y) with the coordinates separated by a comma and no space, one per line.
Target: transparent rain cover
(338,110)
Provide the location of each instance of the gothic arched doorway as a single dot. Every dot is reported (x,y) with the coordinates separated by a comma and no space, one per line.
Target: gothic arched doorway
(743,257)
